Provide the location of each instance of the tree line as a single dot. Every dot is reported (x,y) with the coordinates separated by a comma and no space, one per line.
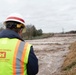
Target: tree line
(29,32)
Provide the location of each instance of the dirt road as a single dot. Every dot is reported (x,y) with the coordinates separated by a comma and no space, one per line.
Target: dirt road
(51,53)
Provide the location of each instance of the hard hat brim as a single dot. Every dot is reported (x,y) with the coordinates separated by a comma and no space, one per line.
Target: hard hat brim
(14,20)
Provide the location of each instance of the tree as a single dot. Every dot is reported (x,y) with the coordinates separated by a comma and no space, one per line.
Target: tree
(34,30)
(39,32)
(31,32)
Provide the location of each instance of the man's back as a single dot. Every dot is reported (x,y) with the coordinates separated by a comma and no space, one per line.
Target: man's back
(12,54)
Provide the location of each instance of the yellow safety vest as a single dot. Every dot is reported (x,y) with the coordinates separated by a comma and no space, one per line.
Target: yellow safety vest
(13,56)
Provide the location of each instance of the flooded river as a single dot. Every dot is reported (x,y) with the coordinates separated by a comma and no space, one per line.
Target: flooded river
(51,53)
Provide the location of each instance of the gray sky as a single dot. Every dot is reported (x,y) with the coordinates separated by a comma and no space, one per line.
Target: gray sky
(48,15)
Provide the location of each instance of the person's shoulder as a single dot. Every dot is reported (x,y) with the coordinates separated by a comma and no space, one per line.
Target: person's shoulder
(28,43)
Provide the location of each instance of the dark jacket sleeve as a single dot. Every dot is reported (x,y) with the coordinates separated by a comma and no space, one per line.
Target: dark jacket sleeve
(32,66)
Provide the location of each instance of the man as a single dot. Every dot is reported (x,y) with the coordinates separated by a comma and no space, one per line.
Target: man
(16,56)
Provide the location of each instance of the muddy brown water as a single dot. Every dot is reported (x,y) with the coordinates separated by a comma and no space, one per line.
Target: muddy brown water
(51,53)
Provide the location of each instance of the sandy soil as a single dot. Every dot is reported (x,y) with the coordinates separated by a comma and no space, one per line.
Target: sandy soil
(51,53)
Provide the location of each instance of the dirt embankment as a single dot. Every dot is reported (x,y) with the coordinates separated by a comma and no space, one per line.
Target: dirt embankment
(69,65)
(51,53)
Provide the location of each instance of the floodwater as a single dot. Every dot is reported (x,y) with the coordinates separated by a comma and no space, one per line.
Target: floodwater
(51,53)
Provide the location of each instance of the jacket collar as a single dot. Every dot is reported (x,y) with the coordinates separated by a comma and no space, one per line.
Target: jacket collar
(9,34)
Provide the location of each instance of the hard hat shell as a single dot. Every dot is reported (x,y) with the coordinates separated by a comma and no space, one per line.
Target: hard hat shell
(15,17)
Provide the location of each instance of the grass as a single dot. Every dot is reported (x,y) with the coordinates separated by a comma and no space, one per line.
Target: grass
(45,35)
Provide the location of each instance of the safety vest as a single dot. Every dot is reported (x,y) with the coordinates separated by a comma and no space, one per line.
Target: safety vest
(13,56)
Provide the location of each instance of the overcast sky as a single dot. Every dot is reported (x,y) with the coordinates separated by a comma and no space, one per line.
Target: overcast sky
(48,15)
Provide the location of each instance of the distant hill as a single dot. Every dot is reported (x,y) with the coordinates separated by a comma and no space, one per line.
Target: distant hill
(73,31)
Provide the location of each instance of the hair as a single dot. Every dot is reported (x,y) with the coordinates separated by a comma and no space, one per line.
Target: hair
(13,26)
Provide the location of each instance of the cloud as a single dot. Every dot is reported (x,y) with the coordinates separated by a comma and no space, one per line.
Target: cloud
(11,1)
(53,14)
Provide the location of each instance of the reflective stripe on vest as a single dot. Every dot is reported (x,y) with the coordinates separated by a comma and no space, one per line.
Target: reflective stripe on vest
(19,58)
(20,54)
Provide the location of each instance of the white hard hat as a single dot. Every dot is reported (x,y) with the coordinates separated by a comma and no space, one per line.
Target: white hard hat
(15,17)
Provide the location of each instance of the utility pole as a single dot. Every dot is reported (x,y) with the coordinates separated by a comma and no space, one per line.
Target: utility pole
(63,30)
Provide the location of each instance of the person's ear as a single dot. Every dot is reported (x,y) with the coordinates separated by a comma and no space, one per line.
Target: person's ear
(20,32)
